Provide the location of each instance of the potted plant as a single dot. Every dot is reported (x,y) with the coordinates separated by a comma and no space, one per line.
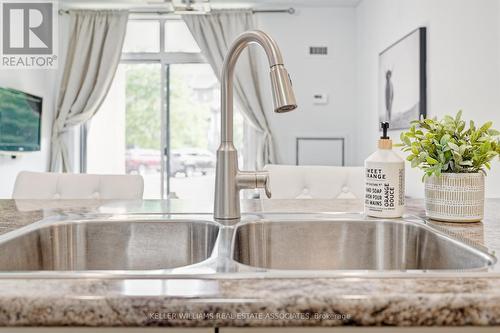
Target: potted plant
(454,160)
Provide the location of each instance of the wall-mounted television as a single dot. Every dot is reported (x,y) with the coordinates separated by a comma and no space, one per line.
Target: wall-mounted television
(20,121)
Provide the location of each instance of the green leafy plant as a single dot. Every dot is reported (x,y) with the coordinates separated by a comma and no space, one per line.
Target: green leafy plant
(446,146)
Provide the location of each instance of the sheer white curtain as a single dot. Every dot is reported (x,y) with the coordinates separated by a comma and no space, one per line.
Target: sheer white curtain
(94,51)
(214,33)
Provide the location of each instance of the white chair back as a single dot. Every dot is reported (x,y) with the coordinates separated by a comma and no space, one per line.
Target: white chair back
(315,182)
(46,185)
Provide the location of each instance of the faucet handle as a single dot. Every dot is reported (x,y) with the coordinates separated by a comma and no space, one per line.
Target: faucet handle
(262,181)
(252,180)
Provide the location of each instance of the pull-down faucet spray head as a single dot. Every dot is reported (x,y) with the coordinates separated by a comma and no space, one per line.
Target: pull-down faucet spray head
(283,96)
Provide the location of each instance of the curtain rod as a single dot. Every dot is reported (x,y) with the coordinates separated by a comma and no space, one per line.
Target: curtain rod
(290,11)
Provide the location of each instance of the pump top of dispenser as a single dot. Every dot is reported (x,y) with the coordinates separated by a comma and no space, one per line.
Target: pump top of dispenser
(385,141)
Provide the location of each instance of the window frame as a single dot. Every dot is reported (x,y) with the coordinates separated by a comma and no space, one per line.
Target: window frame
(165,59)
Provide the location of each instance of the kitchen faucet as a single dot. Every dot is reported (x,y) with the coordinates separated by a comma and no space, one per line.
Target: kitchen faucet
(229,180)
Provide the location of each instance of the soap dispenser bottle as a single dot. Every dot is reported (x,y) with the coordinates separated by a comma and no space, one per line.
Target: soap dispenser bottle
(384,180)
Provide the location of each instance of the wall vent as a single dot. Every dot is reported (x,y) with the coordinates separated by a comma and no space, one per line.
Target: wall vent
(318,50)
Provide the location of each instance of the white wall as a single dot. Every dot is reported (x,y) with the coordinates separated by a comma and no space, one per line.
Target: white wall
(463,64)
(333,75)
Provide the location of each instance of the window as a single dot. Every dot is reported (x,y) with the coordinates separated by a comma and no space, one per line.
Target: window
(142,36)
(161,117)
(178,38)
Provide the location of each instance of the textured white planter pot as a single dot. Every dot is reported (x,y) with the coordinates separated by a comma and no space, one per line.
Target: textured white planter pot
(455,197)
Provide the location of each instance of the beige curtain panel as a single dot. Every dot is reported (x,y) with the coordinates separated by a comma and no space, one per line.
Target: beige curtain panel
(93,55)
(214,33)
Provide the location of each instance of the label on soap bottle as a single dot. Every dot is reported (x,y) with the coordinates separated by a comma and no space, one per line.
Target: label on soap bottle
(384,189)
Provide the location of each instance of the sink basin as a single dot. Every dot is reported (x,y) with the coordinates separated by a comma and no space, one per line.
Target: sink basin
(268,244)
(109,245)
(352,245)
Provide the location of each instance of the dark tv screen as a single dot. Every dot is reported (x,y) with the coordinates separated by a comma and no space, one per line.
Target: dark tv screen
(20,120)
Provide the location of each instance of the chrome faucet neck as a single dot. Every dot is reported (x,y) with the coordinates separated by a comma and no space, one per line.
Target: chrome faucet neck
(229,180)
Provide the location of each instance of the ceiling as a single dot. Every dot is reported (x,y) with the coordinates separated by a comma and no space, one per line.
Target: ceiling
(215,3)
(302,3)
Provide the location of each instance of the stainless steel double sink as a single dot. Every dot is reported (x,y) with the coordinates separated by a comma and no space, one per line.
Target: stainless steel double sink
(141,245)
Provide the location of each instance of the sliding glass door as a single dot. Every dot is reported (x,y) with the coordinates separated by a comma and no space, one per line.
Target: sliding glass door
(194,123)
(193,120)
(143,125)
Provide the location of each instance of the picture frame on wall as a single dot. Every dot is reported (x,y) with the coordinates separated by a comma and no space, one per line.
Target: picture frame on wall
(403,80)
(306,149)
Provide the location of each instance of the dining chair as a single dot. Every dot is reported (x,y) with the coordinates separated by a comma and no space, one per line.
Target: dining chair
(315,182)
(48,185)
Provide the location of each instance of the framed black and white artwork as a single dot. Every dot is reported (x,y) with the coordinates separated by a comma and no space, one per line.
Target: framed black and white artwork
(402,80)
(332,148)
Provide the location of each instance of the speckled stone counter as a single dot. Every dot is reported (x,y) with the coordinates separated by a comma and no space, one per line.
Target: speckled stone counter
(469,299)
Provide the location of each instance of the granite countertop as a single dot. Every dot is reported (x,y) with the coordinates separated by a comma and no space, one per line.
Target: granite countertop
(414,301)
